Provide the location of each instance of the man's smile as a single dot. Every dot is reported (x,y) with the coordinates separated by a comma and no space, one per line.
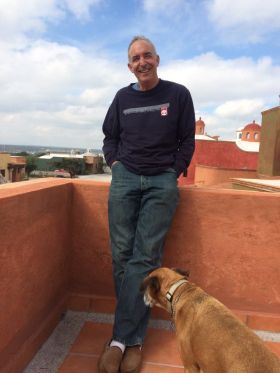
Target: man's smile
(145,69)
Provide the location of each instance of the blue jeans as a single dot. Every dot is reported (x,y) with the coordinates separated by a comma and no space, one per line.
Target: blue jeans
(141,209)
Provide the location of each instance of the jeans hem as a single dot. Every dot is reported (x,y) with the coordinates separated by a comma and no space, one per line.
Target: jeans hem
(129,343)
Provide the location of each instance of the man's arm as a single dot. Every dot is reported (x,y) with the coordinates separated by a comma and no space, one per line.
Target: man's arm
(111,130)
(186,135)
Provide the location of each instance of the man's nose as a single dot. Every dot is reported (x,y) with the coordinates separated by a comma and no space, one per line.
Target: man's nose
(142,60)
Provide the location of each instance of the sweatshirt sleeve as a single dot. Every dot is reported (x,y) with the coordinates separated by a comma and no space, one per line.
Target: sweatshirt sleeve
(111,130)
(186,134)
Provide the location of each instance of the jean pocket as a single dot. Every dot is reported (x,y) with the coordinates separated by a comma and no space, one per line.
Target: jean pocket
(115,164)
(170,169)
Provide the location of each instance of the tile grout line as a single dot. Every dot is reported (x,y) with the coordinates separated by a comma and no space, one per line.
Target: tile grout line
(85,354)
(54,351)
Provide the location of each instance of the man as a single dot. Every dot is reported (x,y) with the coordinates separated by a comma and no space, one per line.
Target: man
(149,141)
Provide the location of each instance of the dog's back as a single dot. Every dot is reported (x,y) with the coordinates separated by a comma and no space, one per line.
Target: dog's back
(209,335)
(219,341)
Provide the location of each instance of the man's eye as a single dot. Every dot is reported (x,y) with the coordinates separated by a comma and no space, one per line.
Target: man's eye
(135,58)
(148,55)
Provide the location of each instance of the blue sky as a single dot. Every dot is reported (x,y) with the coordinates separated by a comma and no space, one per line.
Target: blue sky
(62,62)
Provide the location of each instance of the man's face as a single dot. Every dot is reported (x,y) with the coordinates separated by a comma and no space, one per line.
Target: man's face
(143,63)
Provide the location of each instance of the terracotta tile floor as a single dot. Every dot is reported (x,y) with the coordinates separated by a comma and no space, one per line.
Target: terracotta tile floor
(84,353)
(77,341)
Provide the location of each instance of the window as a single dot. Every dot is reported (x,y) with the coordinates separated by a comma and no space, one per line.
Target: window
(247,135)
(256,136)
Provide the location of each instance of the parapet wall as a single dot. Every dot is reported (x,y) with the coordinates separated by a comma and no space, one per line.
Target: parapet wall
(34,260)
(228,239)
(207,175)
(55,242)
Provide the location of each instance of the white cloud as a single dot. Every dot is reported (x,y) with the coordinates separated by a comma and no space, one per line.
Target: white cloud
(51,73)
(90,97)
(28,14)
(253,18)
(18,17)
(162,5)
(239,108)
(231,115)
(227,93)
(74,126)
(56,94)
(213,79)
(166,7)
(81,8)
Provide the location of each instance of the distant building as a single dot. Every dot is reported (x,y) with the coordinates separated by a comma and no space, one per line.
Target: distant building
(200,131)
(93,162)
(248,138)
(199,127)
(216,161)
(251,132)
(90,163)
(268,171)
(269,160)
(12,168)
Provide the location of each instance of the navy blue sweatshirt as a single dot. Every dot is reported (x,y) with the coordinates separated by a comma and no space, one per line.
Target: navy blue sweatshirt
(150,131)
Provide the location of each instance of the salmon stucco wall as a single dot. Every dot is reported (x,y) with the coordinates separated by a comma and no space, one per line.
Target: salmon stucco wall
(91,271)
(34,223)
(55,241)
(219,154)
(228,239)
(207,175)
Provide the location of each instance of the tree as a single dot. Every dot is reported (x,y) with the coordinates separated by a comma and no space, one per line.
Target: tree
(21,154)
(73,166)
(30,164)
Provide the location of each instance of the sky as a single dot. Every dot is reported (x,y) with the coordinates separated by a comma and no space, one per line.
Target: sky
(62,62)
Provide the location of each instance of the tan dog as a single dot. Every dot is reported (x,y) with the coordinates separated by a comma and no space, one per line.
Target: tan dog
(210,337)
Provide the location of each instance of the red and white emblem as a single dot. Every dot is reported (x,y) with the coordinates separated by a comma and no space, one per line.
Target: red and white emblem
(163,111)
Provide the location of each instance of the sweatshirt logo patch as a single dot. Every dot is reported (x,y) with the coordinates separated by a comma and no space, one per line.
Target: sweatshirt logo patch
(147,109)
(163,111)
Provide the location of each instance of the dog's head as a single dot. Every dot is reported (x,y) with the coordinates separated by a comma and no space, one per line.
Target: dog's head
(158,283)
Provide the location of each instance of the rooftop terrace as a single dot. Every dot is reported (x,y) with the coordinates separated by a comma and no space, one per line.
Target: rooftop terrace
(56,279)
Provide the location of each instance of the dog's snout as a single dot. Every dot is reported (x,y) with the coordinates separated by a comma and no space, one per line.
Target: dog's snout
(146,300)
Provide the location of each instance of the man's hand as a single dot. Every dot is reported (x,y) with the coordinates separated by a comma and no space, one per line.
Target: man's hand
(114,163)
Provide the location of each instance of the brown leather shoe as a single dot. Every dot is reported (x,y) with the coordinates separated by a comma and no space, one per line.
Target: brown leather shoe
(110,359)
(132,359)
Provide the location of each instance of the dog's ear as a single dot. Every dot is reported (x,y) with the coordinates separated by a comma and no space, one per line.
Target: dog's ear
(183,272)
(152,283)
(155,284)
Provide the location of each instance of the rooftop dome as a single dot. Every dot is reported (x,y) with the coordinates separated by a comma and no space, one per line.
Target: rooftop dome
(252,127)
(200,122)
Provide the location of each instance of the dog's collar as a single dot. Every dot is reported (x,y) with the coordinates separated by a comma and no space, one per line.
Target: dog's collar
(173,288)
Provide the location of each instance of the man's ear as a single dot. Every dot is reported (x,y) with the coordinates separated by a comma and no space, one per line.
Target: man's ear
(158,59)
(183,272)
(130,67)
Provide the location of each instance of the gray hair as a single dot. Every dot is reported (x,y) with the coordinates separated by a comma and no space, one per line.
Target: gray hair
(141,37)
